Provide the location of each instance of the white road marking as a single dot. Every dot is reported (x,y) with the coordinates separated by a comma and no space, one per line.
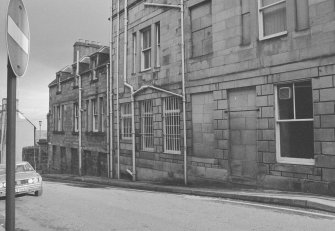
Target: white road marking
(264,206)
(19,37)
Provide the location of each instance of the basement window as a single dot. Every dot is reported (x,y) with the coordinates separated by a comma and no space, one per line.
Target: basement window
(294,123)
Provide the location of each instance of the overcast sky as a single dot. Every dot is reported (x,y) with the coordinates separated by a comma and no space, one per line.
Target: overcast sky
(55,25)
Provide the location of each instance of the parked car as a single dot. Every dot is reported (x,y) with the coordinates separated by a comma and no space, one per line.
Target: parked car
(27,180)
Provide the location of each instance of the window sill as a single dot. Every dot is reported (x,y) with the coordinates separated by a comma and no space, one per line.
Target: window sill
(145,70)
(172,152)
(58,132)
(75,133)
(128,141)
(94,80)
(200,57)
(298,161)
(262,38)
(95,133)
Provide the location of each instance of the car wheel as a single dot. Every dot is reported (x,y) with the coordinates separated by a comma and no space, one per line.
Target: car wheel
(38,193)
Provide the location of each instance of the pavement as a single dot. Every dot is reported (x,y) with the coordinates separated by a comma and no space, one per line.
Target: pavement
(292,199)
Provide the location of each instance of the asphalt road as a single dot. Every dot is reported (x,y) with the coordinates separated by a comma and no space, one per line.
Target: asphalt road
(72,206)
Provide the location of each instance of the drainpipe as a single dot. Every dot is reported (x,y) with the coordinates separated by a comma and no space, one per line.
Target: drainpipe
(117,89)
(183,86)
(109,161)
(79,115)
(110,97)
(133,172)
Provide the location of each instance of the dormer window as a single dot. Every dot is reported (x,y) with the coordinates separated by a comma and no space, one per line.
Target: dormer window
(59,86)
(94,64)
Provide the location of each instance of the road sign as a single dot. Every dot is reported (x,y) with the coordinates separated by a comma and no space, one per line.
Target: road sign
(18,37)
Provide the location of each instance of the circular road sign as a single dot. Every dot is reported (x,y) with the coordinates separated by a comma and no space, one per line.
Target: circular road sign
(18,37)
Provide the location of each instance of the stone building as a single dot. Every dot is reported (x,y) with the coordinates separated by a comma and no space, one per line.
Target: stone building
(260,78)
(63,126)
(259,90)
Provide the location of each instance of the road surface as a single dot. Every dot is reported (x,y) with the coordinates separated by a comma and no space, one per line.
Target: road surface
(80,206)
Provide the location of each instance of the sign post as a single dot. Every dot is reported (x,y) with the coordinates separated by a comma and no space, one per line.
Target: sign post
(18,36)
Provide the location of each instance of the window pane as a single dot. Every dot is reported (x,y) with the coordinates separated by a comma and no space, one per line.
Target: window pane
(296,139)
(303,100)
(285,101)
(147,58)
(146,39)
(274,19)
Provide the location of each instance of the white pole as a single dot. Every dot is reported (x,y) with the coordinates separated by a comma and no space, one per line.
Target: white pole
(79,114)
(108,124)
(183,85)
(117,89)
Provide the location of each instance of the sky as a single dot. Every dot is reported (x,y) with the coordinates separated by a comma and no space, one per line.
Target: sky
(55,25)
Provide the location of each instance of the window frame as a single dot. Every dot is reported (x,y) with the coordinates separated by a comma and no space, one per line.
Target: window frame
(126,121)
(147,49)
(101,114)
(134,53)
(166,113)
(75,117)
(147,123)
(95,116)
(59,85)
(289,160)
(261,20)
(158,43)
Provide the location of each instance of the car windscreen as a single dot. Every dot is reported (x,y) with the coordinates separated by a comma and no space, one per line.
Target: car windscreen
(19,168)
(23,168)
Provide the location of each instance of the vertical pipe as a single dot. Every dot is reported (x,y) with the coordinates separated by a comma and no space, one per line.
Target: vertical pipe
(131,88)
(110,95)
(183,86)
(117,89)
(79,115)
(109,165)
(10,148)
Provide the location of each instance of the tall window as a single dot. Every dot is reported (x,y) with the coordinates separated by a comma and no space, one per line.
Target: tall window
(171,124)
(246,23)
(102,114)
(272,18)
(126,124)
(87,124)
(158,43)
(95,117)
(294,123)
(302,14)
(59,118)
(76,117)
(146,49)
(147,128)
(201,28)
(55,115)
(134,53)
